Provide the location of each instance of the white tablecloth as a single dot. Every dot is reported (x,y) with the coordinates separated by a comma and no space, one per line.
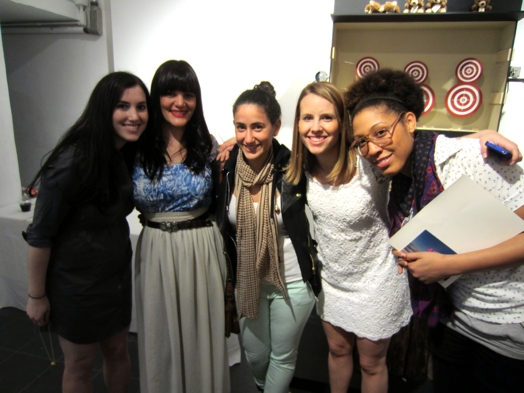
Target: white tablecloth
(13,256)
(13,264)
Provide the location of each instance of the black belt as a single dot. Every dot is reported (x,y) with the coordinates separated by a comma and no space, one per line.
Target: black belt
(173,226)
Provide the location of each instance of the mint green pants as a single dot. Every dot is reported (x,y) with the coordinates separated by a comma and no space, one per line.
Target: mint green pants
(271,341)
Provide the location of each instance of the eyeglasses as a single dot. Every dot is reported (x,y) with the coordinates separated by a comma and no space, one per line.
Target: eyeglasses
(380,138)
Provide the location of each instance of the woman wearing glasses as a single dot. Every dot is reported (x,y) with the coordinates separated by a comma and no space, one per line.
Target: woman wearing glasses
(364,300)
(479,343)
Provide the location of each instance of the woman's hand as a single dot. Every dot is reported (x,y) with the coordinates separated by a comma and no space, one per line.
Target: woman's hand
(222,156)
(493,136)
(428,267)
(38,310)
(225,148)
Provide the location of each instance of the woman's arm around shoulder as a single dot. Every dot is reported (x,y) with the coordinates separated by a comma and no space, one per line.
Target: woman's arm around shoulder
(493,136)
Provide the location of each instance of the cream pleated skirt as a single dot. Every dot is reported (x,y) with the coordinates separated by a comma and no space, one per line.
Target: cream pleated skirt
(179,286)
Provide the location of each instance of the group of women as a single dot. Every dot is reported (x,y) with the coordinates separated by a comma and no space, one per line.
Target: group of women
(157,153)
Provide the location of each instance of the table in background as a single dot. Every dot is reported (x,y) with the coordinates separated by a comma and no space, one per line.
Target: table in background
(13,264)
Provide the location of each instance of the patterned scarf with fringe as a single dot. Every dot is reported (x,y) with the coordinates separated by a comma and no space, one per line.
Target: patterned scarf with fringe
(257,250)
(412,195)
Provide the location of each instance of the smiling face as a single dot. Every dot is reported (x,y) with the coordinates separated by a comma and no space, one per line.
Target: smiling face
(178,108)
(254,134)
(318,126)
(130,116)
(392,158)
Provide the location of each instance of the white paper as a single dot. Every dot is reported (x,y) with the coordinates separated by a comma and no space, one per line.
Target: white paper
(465,217)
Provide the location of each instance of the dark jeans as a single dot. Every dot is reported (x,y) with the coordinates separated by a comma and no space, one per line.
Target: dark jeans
(463,365)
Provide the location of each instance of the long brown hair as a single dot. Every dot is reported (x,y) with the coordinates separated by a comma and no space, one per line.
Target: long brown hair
(302,159)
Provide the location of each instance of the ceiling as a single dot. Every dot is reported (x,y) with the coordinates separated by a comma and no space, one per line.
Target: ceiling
(18,12)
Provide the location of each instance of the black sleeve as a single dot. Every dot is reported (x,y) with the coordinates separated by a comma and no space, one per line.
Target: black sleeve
(52,204)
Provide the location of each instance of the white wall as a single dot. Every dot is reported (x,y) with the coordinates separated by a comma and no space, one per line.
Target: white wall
(231,44)
(50,79)
(10,191)
(511,123)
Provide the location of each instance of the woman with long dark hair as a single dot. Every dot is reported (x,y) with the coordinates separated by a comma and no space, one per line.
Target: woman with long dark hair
(180,268)
(80,252)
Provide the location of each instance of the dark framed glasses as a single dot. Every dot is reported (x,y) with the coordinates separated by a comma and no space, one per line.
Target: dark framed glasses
(380,138)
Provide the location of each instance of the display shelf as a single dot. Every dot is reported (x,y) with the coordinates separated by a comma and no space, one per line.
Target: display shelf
(431,18)
(441,41)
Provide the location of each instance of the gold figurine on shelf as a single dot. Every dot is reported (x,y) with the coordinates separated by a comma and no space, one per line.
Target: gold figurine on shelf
(436,6)
(414,6)
(372,8)
(388,7)
(481,6)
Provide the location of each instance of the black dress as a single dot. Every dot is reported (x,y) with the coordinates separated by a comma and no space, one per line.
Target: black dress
(89,275)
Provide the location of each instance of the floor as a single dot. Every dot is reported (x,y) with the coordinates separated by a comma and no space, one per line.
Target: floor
(25,366)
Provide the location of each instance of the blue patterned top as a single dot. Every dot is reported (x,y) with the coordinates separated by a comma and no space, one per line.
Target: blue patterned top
(178,190)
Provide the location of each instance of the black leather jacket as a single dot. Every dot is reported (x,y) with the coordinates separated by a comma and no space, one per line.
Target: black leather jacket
(293,201)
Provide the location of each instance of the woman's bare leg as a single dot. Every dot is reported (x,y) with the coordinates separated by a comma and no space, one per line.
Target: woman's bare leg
(78,370)
(116,362)
(340,358)
(372,355)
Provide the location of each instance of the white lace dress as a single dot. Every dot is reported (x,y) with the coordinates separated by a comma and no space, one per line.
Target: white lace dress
(362,290)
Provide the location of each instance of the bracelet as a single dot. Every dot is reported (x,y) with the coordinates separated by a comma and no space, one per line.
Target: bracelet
(36,298)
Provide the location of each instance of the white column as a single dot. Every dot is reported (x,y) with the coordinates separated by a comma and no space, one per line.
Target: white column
(10,187)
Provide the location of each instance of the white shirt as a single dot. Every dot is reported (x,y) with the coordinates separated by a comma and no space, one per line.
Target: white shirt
(494,295)
(288,261)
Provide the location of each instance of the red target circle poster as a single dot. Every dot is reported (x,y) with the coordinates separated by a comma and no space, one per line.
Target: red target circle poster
(463,100)
(429,99)
(469,70)
(365,65)
(418,70)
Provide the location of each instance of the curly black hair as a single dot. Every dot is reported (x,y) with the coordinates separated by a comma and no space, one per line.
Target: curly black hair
(396,90)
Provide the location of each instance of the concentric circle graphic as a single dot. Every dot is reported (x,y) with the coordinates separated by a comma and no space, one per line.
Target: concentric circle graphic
(469,70)
(365,65)
(418,70)
(429,99)
(463,100)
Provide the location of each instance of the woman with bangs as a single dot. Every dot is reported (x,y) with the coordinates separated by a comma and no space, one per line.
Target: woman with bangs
(180,269)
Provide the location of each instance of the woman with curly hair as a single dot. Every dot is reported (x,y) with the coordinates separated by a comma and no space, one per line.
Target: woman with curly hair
(478,340)
(364,301)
